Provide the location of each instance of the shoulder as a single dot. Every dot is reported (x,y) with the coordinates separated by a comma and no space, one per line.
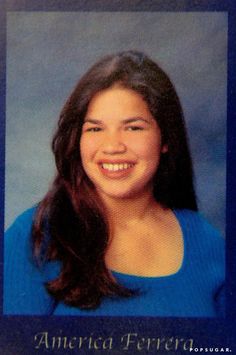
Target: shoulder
(203,241)
(17,240)
(24,220)
(24,291)
(18,243)
(21,228)
(205,246)
(194,223)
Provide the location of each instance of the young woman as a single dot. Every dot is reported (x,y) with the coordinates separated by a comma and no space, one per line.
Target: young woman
(118,233)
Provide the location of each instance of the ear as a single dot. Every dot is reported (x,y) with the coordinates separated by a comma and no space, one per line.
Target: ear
(164,148)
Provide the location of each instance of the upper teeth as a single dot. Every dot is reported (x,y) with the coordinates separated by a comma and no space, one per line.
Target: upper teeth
(116,167)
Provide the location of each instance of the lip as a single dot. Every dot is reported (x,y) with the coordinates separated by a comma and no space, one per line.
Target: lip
(116,161)
(116,174)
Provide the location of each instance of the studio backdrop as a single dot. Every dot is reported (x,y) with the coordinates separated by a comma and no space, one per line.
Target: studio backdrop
(47,52)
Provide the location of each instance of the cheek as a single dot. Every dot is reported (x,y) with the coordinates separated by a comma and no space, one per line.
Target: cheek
(83,147)
(147,148)
(87,148)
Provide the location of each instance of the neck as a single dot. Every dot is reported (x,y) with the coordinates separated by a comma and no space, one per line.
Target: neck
(126,211)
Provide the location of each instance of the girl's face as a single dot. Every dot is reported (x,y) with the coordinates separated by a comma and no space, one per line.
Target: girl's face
(120,143)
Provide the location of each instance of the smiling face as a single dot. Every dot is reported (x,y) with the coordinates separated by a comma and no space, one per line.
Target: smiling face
(120,143)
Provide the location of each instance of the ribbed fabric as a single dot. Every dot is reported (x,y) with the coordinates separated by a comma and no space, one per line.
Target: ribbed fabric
(196,290)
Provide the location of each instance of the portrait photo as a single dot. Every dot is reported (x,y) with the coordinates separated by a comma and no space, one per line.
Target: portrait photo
(117,175)
(47,55)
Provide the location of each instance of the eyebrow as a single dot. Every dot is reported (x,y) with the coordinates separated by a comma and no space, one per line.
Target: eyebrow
(125,121)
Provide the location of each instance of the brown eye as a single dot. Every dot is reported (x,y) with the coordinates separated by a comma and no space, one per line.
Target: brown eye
(93,129)
(134,128)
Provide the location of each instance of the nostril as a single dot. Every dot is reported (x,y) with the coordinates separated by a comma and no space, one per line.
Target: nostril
(114,147)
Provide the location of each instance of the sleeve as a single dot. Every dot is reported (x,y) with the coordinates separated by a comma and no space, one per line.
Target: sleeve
(23,289)
(215,248)
(220,301)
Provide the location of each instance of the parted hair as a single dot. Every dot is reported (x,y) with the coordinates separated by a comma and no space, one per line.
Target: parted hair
(70,223)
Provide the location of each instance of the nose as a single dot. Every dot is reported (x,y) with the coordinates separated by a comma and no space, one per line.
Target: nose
(113,144)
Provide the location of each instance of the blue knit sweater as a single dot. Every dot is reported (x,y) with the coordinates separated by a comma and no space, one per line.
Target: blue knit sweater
(196,290)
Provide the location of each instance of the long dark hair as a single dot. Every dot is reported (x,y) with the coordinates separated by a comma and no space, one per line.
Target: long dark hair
(71,212)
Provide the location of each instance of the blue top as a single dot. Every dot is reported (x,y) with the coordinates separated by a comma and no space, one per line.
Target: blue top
(196,290)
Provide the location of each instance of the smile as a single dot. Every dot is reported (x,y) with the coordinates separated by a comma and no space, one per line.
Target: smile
(116,167)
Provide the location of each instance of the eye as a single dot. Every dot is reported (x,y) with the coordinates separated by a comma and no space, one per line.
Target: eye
(134,128)
(93,129)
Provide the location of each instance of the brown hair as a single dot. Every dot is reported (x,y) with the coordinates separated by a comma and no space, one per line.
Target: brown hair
(71,212)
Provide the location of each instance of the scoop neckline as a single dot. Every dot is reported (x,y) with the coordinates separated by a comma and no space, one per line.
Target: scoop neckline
(127,277)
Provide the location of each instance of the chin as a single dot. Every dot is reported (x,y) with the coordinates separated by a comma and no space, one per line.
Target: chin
(121,193)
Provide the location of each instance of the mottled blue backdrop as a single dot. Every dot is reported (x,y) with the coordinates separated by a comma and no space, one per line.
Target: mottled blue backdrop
(47,52)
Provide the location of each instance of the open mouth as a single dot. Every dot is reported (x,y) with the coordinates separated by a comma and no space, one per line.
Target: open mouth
(116,167)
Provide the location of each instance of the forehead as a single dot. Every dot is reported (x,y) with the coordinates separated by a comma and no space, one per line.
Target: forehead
(118,102)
